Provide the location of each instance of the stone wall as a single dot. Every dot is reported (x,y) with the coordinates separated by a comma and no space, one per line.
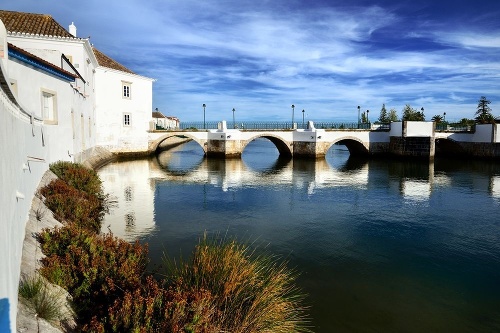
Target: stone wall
(224,148)
(481,150)
(379,148)
(414,147)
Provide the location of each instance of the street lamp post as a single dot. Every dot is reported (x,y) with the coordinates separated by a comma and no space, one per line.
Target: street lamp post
(204,125)
(358,115)
(367,116)
(444,116)
(234,123)
(303,111)
(293,112)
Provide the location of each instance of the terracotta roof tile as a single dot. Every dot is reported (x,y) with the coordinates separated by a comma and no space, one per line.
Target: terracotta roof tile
(158,114)
(106,61)
(38,24)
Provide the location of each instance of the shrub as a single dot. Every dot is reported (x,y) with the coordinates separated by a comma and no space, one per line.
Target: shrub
(78,176)
(151,308)
(250,292)
(72,205)
(95,269)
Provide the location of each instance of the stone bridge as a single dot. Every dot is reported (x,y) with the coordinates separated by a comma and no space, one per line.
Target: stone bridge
(406,139)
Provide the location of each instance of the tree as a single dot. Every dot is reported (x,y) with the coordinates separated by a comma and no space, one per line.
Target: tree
(410,114)
(363,117)
(383,118)
(483,113)
(466,122)
(393,115)
(437,118)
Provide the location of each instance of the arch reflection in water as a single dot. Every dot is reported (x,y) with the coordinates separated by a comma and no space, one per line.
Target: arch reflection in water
(261,166)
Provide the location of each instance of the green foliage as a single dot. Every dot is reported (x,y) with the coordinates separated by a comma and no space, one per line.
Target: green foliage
(364,118)
(466,122)
(96,269)
(37,296)
(411,114)
(72,205)
(30,286)
(393,115)
(437,118)
(483,112)
(251,293)
(154,309)
(78,176)
(384,116)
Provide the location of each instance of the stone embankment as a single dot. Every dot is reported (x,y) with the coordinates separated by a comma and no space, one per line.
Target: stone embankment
(40,217)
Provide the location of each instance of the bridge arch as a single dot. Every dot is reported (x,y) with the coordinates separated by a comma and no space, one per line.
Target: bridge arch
(281,144)
(153,145)
(449,147)
(355,145)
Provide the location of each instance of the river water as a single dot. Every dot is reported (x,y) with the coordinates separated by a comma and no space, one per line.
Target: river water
(381,245)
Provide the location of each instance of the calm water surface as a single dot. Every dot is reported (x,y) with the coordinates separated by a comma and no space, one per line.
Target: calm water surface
(382,246)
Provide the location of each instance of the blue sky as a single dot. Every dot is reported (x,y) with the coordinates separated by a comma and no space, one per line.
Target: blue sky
(326,57)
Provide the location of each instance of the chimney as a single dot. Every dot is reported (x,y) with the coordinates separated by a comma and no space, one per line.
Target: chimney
(72,29)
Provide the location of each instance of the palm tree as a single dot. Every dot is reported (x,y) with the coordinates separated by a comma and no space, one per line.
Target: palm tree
(437,118)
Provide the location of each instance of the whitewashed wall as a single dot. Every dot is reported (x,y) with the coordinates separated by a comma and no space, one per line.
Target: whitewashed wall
(50,49)
(396,128)
(483,133)
(67,138)
(28,146)
(419,129)
(111,106)
(20,173)
(75,132)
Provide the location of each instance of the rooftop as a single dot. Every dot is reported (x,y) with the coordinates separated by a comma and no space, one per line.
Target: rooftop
(106,61)
(35,24)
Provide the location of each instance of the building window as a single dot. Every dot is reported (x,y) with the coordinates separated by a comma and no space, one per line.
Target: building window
(126,90)
(126,119)
(49,107)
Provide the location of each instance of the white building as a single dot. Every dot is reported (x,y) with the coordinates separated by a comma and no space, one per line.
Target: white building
(164,122)
(51,75)
(124,101)
(59,99)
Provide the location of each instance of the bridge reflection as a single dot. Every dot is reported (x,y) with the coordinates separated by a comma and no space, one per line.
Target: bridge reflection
(134,183)
(234,173)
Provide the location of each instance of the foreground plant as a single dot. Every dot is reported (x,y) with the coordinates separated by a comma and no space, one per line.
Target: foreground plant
(95,269)
(250,292)
(38,297)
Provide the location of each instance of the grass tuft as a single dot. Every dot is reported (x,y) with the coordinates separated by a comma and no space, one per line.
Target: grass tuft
(46,304)
(250,292)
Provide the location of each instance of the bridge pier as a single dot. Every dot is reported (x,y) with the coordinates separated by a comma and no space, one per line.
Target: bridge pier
(310,143)
(413,139)
(224,143)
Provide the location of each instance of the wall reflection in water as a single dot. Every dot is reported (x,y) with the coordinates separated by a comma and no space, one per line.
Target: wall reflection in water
(128,182)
